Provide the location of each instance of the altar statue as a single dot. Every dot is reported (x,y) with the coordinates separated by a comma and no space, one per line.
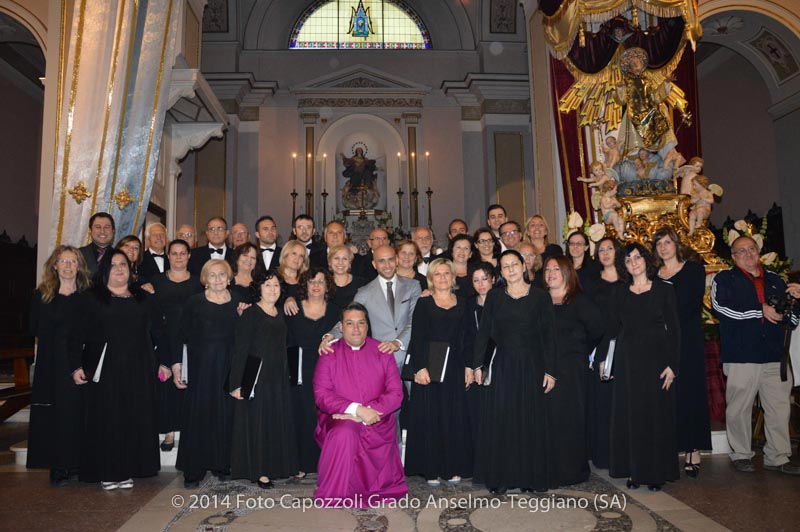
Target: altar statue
(611,152)
(609,205)
(599,174)
(645,124)
(361,189)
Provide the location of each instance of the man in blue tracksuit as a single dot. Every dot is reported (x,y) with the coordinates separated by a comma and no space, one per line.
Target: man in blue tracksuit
(751,332)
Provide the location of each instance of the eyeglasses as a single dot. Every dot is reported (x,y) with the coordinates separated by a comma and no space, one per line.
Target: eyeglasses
(317,281)
(217,229)
(304,227)
(576,244)
(67,262)
(424,239)
(483,241)
(745,251)
(509,233)
(239,232)
(632,258)
(380,238)
(184,236)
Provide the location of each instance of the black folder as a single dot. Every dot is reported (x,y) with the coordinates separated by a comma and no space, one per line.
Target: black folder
(438,355)
(294,357)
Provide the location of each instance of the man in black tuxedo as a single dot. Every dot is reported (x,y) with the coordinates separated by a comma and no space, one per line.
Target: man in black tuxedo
(101,231)
(217,248)
(303,231)
(267,235)
(333,235)
(363,264)
(154,259)
(423,238)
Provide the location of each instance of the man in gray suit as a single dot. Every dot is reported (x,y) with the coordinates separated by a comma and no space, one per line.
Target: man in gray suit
(390,301)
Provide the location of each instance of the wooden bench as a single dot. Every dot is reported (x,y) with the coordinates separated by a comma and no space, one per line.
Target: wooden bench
(19,396)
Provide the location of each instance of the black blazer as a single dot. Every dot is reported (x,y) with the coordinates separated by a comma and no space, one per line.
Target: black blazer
(276,255)
(149,268)
(202,255)
(319,257)
(89,253)
(362,266)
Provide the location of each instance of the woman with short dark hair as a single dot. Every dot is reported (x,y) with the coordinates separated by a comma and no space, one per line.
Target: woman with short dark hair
(645,364)
(585,266)
(132,247)
(315,316)
(245,267)
(172,289)
(691,391)
(579,328)
(263,426)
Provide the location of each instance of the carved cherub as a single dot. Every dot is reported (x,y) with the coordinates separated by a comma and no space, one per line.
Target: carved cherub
(702,199)
(599,174)
(688,172)
(611,152)
(609,205)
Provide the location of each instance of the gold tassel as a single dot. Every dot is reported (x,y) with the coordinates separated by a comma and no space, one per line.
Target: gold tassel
(634,16)
(582,37)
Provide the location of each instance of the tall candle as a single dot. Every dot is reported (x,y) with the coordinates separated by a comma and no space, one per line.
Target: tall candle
(294,171)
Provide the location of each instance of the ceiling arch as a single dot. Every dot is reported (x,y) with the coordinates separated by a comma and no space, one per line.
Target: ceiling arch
(270,22)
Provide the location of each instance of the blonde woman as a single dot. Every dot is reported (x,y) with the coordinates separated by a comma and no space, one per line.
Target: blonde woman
(292,263)
(536,232)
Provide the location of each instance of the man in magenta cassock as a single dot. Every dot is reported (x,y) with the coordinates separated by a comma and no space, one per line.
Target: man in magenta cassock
(357,390)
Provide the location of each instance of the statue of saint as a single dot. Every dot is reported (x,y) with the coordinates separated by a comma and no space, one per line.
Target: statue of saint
(361,189)
(645,123)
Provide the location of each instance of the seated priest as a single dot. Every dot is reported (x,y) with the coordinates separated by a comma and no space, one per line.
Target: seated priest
(357,390)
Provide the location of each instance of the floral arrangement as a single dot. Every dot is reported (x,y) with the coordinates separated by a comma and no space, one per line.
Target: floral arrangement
(575,222)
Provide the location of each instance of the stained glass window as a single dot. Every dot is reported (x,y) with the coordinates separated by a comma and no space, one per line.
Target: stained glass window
(359,25)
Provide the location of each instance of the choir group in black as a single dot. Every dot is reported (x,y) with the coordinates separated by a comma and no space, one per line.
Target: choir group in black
(522,402)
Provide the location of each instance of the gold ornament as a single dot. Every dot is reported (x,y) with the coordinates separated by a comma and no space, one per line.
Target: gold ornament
(123,199)
(79,192)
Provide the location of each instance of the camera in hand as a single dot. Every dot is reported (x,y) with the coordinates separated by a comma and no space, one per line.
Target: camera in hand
(783,304)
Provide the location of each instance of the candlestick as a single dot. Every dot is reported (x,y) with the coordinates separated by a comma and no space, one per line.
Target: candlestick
(324,207)
(415,208)
(294,171)
(400,207)
(309,179)
(429,193)
(427,169)
(324,169)
(294,195)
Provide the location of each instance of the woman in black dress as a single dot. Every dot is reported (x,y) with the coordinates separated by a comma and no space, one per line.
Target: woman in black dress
(121,438)
(172,289)
(602,293)
(408,257)
(483,280)
(460,250)
(646,357)
(246,266)
(439,444)
(263,429)
(56,423)
(519,318)
(578,246)
(315,317)
(580,326)
(691,390)
(208,323)
(340,262)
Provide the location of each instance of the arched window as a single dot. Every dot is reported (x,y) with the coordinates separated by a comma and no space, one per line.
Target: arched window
(359,25)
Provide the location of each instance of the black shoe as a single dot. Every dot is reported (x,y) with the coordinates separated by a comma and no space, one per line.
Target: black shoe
(59,477)
(744,465)
(691,470)
(787,468)
(631,484)
(167,447)
(654,487)
(268,485)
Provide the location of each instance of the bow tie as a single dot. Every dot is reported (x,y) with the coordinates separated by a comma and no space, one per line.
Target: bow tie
(427,260)
(271,250)
(157,255)
(215,250)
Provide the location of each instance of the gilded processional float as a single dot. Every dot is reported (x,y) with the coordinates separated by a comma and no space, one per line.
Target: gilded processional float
(625,94)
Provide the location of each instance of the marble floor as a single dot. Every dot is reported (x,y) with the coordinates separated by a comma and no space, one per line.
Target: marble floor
(720,499)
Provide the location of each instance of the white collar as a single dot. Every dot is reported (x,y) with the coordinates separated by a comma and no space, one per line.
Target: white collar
(273,247)
(354,348)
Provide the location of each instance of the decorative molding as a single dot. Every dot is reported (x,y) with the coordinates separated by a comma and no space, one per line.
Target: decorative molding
(471,112)
(188,136)
(784,107)
(475,88)
(506,107)
(411,118)
(191,85)
(242,87)
(774,51)
(362,82)
(360,102)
